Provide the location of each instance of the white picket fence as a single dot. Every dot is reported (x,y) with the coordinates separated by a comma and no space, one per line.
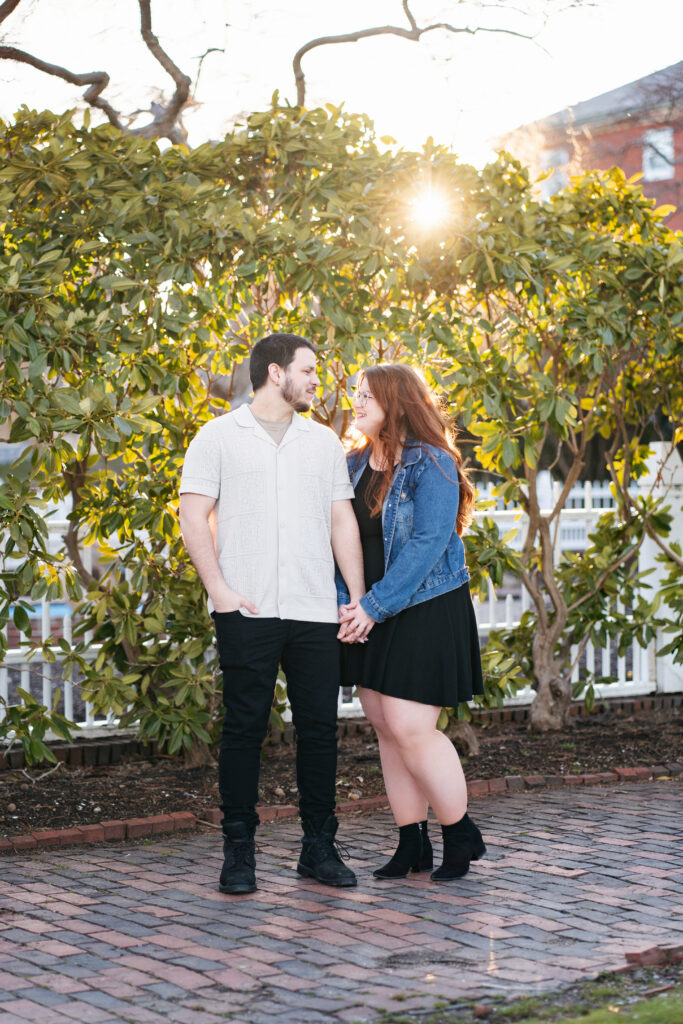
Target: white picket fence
(635,672)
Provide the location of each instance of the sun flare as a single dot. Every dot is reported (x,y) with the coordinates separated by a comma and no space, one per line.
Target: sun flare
(430,208)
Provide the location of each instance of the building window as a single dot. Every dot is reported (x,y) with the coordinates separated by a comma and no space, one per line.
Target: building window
(658,154)
(555,161)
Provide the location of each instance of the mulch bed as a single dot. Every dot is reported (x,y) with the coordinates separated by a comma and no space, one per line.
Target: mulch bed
(139,788)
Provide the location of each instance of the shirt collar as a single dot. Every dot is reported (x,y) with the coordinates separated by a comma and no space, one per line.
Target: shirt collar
(244,417)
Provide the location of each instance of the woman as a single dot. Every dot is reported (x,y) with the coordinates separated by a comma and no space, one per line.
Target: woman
(412,645)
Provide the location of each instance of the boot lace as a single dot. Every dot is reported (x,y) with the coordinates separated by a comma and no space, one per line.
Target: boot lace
(241,854)
(322,846)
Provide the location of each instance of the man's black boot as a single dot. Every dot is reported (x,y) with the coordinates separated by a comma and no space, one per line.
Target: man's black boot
(238,875)
(320,855)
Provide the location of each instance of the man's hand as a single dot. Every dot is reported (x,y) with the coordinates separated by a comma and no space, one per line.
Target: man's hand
(227,600)
(344,628)
(355,623)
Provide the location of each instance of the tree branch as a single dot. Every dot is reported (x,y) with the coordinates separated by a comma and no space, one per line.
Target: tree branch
(413,34)
(530,581)
(164,123)
(668,551)
(165,117)
(75,478)
(211,49)
(552,589)
(7,8)
(97,80)
(605,574)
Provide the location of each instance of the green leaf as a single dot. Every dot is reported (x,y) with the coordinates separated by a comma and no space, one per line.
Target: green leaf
(510,452)
(21,620)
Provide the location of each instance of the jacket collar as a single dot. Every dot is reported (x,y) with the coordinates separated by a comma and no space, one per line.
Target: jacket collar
(411,454)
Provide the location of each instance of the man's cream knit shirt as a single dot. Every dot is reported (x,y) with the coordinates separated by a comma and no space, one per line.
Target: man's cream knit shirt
(273,510)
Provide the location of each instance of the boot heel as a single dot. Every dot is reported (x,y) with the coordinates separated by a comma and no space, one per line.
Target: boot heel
(425,863)
(462,843)
(478,845)
(408,855)
(479,849)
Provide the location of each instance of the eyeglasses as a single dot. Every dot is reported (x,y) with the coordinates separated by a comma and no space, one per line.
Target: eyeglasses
(361,398)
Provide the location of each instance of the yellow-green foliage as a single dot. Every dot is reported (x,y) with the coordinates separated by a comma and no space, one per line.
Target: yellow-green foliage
(129,277)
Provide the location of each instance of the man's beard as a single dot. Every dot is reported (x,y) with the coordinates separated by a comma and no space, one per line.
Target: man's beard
(298,400)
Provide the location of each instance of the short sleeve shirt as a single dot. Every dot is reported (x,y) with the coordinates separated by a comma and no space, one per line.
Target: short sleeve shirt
(273,510)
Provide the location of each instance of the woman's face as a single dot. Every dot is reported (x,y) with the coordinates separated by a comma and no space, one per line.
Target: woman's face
(368,412)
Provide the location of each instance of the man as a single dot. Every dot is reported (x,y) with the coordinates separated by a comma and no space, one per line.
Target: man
(265,510)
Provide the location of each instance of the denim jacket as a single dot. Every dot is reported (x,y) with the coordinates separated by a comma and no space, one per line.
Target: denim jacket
(423,554)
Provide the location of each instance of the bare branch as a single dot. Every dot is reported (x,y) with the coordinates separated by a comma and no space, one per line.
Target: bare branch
(43,775)
(409,15)
(165,120)
(413,34)
(7,8)
(97,80)
(164,123)
(211,49)
(350,37)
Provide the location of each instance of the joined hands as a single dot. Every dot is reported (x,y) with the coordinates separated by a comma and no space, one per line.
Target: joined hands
(355,623)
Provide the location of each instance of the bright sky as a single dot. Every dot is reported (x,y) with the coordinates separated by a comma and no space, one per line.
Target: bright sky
(460,89)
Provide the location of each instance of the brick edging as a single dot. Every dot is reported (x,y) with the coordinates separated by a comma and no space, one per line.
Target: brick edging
(157,824)
(520,783)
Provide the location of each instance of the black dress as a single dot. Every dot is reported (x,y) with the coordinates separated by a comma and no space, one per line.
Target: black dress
(429,652)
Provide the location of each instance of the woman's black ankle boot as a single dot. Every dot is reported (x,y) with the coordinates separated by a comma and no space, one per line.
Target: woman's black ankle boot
(478,844)
(427,855)
(408,854)
(458,850)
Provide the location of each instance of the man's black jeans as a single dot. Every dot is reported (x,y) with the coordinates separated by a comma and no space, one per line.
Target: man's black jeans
(250,651)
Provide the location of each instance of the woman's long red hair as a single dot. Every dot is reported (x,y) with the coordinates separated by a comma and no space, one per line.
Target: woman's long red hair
(413,414)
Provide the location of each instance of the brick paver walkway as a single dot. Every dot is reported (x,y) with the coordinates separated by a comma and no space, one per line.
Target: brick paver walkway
(574,880)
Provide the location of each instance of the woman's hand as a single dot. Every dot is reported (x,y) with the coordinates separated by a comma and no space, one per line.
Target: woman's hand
(355,623)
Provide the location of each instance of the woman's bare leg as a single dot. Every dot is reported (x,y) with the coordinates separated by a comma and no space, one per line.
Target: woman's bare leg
(407,801)
(427,755)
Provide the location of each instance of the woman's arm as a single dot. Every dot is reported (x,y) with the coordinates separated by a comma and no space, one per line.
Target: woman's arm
(435,512)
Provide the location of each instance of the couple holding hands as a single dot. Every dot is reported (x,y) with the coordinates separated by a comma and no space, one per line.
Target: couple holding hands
(300,547)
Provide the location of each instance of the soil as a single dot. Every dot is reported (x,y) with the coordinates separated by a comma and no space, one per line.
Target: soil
(651,994)
(31,799)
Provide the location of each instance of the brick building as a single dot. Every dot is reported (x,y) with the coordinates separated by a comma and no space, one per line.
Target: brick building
(638,127)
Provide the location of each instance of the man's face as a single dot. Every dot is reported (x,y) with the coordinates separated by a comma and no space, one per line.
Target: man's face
(300,381)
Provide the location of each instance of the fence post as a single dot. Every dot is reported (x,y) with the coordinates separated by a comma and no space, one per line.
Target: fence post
(664,479)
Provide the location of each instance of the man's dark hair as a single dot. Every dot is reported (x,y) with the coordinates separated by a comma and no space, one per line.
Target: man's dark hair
(276,348)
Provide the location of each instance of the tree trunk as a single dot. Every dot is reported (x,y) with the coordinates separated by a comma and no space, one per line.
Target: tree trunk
(463,736)
(198,756)
(550,709)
